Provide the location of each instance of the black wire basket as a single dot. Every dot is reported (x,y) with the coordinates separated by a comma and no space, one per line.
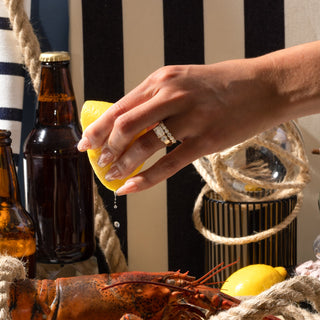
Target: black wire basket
(239,219)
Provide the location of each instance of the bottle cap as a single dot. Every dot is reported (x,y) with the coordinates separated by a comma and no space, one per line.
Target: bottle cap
(54,56)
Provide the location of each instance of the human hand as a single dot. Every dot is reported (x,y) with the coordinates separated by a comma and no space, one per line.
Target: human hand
(206,108)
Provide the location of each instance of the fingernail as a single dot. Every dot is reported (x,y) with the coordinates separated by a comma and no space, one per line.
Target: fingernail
(105,158)
(128,187)
(84,144)
(113,174)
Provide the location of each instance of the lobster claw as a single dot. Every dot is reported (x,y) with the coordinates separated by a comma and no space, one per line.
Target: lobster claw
(182,310)
(223,301)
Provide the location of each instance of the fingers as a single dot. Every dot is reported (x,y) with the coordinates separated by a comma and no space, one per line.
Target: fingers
(96,134)
(118,125)
(143,148)
(150,102)
(164,168)
(167,96)
(130,124)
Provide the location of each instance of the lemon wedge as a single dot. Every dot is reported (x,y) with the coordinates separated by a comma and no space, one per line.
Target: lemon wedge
(90,112)
(253,279)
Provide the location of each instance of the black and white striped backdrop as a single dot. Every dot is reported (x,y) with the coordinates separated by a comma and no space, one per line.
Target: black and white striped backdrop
(115,44)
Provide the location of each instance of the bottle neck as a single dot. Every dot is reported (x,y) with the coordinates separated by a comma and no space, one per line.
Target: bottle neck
(56,101)
(9,188)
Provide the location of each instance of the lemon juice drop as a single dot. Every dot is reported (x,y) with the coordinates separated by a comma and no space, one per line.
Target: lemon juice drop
(115,206)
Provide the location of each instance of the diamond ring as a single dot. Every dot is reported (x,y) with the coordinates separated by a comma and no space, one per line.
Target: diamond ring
(164,134)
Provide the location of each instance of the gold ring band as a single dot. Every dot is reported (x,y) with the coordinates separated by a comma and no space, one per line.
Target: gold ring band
(164,134)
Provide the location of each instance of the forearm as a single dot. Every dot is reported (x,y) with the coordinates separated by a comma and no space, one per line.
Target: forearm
(207,108)
(294,73)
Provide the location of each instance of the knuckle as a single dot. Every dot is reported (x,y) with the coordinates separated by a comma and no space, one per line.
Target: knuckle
(117,110)
(125,166)
(122,167)
(163,78)
(143,181)
(164,74)
(95,135)
(122,129)
(144,145)
(123,125)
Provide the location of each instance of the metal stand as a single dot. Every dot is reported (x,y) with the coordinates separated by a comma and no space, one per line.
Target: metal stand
(237,219)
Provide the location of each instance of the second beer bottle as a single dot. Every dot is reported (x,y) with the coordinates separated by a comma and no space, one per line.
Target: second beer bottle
(58,178)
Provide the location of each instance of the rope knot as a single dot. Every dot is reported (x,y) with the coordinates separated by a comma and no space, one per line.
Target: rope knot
(273,164)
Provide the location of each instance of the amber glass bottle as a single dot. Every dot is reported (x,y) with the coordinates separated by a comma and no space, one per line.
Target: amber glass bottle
(58,178)
(17,236)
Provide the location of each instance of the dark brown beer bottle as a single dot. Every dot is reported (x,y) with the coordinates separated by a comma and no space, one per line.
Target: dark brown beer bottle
(17,236)
(59,178)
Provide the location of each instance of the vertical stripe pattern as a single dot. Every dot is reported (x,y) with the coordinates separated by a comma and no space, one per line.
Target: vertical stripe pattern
(223,30)
(119,54)
(302,24)
(104,77)
(264,26)
(11,82)
(184,44)
(147,210)
(224,39)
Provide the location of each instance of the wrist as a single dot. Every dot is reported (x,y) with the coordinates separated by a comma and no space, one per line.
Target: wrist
(293,74)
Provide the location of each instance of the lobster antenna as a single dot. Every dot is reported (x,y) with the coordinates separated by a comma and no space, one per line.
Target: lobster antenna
(167,285)
(211,273)
(208,273)
(225,267)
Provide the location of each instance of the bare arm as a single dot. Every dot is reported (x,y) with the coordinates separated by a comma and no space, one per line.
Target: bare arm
(207,108)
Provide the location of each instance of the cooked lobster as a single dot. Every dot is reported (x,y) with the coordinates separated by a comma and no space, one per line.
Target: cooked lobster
(128,295)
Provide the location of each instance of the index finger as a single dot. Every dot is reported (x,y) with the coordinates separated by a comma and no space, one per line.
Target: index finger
(96,134)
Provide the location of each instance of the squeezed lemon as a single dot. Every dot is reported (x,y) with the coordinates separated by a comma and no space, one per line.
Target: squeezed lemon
(90,112)
(253,279)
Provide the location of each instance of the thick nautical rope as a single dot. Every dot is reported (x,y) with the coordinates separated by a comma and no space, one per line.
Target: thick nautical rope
(27,40)
(282,299)
(108,240)
(10,269)
(213,167)
(30,49)
(245,239)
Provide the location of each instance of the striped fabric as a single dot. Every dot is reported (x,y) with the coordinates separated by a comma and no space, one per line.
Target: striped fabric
(12,76)
(124,41)
(115,44)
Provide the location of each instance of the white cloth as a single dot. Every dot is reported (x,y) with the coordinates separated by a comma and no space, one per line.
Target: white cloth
(12,75)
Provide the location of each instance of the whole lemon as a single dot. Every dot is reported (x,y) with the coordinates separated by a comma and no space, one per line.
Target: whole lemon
(90,112)
(253,279)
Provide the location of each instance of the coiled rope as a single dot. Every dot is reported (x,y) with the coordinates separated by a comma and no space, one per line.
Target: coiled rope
(217,174)
(30,49)
(282,299)
(27,40)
